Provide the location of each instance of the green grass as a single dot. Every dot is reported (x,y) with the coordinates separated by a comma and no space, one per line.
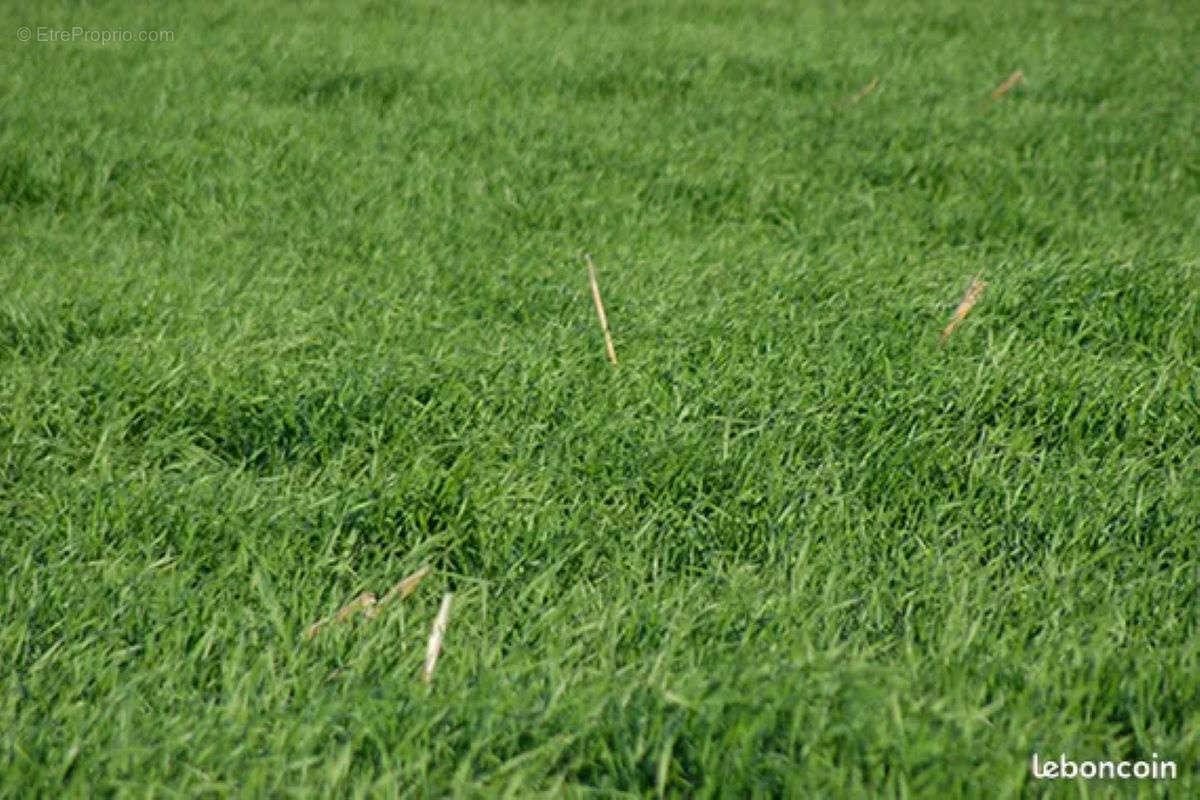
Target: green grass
(296,303)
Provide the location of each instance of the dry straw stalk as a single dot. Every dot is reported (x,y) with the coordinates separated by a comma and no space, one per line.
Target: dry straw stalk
(368,604)
(1009,84)
(863,92)
(436,634)
(608,342)
(407,586)
(964,307)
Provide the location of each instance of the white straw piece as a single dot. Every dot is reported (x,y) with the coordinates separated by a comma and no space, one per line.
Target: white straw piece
(434,648)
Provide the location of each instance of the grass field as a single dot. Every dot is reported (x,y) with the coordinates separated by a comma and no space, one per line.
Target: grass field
(296,303)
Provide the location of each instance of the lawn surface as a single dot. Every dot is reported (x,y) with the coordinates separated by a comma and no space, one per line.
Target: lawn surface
(296,303)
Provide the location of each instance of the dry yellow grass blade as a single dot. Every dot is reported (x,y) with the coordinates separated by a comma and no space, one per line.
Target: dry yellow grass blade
(365,602)
(436,634)
(608,342)
(964,307)
(407,586)
(863,92)
(1010,82)
(368,604)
